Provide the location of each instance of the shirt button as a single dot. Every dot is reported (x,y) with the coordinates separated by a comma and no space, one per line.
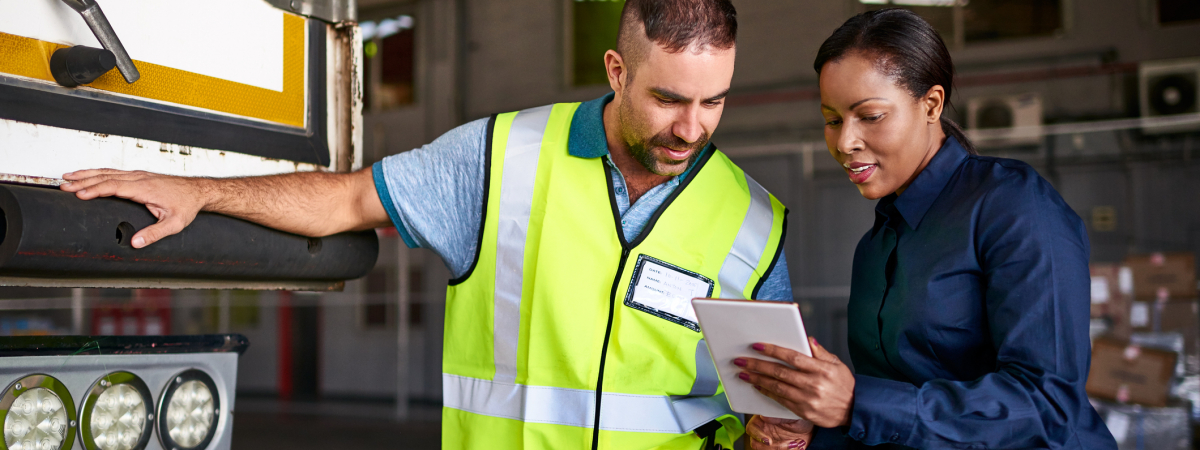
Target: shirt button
(876,346)
(896,437)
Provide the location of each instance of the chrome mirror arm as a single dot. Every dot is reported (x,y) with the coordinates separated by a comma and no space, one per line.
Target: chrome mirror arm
(94,17)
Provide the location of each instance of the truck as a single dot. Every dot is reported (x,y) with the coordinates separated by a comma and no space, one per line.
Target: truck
(211,89)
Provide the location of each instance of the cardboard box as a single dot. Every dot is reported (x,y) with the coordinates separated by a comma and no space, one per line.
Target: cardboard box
(1181,317)
(1112,295)
(1127,373)
(1156,275)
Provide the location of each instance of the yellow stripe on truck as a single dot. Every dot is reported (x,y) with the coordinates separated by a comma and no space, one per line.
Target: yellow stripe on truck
(30,58)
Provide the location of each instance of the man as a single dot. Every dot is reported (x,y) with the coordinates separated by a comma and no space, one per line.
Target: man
(576,233)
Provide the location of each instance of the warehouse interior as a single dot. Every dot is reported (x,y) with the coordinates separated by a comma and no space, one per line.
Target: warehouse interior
(1099,96)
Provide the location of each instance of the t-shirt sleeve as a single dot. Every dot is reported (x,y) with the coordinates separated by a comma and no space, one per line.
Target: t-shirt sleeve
(434,194)
(778,285)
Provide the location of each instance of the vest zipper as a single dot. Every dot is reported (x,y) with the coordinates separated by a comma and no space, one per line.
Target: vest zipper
(612,309)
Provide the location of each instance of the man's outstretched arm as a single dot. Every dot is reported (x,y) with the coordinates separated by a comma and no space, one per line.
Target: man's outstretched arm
(312,204)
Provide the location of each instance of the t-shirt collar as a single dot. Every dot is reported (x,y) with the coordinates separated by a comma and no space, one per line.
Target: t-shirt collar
(919,196)
(587,138)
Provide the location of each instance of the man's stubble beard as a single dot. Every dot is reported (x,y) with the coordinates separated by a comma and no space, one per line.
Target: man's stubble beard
(640,148)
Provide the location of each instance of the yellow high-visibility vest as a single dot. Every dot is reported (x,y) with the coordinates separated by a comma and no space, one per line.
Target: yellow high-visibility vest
(546,345)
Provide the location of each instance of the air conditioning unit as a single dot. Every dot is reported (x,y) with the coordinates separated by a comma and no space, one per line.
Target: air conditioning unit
(1168,88)
(1005,120)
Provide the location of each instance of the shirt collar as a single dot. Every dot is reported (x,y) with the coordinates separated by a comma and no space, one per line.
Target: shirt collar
(587,138)
(919,196)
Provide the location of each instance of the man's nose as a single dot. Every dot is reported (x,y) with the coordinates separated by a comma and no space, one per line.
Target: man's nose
(687,125)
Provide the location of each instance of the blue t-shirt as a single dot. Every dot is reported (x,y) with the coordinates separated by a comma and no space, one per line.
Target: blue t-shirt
(434,194)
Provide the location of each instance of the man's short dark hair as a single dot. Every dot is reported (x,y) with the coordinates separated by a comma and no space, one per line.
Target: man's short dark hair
(676,25)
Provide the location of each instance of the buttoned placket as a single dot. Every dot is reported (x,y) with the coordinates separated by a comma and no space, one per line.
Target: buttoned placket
(621,192)
(889,243)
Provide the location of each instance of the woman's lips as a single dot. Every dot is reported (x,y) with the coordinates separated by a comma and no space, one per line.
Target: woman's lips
(861,173)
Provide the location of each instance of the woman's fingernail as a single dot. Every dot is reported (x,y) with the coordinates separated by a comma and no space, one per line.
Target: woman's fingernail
(757,388)
(798,445)
(758,347)
(739,362)
(744,376)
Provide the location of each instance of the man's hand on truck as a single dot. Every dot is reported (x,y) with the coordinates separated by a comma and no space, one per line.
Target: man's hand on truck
(312,204)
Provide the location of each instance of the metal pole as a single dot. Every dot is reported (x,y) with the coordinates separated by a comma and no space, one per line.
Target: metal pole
(223,300)
(77,311)
(402,329)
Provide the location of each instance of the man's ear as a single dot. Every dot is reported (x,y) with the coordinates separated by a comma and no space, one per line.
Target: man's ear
(618,72)
(933,102)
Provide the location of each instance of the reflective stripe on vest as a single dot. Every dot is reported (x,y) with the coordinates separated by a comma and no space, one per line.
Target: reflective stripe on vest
(749,245)
(516,200)
(576,407)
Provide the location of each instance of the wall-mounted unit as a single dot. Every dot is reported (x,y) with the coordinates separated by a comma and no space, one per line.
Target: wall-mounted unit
(1005,120)
(1168,88)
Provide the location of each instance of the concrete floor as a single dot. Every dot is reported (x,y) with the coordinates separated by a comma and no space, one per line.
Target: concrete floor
(278,432)
(271,425)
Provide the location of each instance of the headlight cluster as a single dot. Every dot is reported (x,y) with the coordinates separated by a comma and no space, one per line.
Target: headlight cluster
(117,413)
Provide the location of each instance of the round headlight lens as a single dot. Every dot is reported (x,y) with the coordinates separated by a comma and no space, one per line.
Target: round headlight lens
(190,414)
(119,418)
(37,420)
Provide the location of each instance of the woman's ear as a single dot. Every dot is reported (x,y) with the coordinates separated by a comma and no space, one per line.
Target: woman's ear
(933,101)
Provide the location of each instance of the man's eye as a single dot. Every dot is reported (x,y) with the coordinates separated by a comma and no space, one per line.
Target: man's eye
(713,104)
(833,122)
(667,101)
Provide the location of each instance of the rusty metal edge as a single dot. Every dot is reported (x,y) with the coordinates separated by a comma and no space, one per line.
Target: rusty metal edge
(167,283)
(12,178)
(346,92)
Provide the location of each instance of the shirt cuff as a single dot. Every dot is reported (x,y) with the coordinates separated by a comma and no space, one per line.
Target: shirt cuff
(390,206)
(885,411)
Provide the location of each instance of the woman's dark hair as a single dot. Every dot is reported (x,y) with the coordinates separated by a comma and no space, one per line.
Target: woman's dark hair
(907,48)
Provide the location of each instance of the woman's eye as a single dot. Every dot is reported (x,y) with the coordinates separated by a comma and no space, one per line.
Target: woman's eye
(833,122)
(874,118)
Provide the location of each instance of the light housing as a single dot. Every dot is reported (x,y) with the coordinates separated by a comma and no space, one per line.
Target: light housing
(79,361)
(188,411)
(117,413)
(23,399)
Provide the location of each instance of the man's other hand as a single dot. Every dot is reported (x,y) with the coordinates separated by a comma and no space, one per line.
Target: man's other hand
(175,201)
(770,433)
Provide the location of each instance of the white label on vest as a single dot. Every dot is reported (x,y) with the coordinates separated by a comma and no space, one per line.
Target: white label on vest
(669,289)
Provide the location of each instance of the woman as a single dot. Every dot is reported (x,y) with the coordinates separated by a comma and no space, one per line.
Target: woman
(968,314)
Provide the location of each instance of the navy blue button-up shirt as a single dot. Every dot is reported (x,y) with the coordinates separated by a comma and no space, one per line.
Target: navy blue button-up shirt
(968,315)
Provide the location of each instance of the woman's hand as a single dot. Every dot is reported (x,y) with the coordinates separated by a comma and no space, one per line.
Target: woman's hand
(763,433)
(819,388)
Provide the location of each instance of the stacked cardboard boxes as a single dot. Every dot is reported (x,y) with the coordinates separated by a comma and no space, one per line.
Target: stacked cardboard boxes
(1145,374)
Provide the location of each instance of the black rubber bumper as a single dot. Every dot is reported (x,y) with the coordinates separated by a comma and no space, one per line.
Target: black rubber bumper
(51,234)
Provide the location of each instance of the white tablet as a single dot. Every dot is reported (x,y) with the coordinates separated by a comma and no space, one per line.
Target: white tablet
(731,326)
